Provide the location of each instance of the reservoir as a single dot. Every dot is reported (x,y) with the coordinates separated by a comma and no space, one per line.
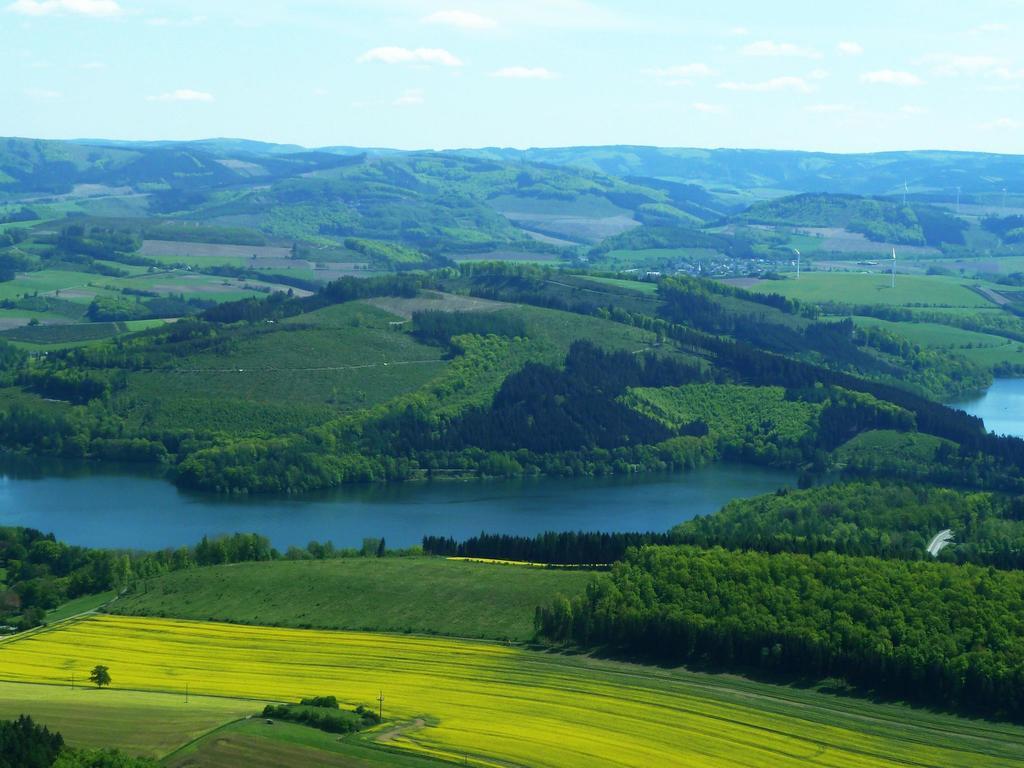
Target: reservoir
(1001,407)
(102,505)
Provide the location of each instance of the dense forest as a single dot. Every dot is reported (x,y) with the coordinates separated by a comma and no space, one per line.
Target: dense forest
(877,519)
(935,633)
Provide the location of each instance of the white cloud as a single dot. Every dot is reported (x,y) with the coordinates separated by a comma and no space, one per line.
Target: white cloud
(739,31)
(891,77)
(320,92)
(708,109)
(395,55)
(818,74)
(850,48)
(93,65)
(54,7)
(775,84)
(828,109)
(43,94)
(987,29)
(912,109)
(1004,124)
(954,65)
(771,48)
(525,73)
(681,72)
(411,98)
(1005,73)
(183,94)
(461,19)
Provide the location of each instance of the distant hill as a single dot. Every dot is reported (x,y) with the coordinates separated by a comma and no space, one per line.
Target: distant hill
(877,219)
(776,172)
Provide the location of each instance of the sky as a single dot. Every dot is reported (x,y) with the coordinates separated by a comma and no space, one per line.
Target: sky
(872,75)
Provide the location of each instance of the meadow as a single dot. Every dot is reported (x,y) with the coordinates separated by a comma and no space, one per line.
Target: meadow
(983,348)
(492,705)
(140,722)
(875,288)
(424,595)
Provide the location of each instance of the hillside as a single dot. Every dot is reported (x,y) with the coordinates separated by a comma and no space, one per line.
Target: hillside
(739,172)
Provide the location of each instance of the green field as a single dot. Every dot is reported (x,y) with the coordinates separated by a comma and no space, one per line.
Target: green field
(856,288)
(633,285)
(257,744)
(485,704)
(983,348)
(150,724)
(79,605)
(423,595)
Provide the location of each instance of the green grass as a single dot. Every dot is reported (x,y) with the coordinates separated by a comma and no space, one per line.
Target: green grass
(856,288)
(46,281)
(651,258)
(983,348)
(79,605)
(150,724)
(255,744)
(424,595)
(633,285)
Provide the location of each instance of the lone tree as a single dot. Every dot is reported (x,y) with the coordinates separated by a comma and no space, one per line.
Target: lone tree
(100,675)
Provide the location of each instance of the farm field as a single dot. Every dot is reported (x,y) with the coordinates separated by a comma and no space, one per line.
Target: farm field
(425,595)
(633,285)
(142,723)
(856,288)
(489,705)
(982,348)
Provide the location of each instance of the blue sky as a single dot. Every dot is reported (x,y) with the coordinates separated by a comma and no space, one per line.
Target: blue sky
(865,76)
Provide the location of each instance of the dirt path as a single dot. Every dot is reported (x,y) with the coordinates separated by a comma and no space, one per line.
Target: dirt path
(400,730)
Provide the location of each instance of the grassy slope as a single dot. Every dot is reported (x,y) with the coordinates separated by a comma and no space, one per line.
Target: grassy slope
(982,348)
(255,744)
(422,595)
(79,605)
(149,724)
(495,703)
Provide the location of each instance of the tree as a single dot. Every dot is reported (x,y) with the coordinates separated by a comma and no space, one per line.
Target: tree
(381,548)
(100,675)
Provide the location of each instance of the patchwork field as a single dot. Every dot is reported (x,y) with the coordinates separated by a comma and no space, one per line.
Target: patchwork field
(491,705)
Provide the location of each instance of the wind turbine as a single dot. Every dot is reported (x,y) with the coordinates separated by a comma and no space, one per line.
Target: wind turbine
(797,263)
(893,267)
(958,199)
(905,190)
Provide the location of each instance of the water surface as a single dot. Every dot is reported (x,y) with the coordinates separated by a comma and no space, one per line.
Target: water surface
(118,506)
(1001,407)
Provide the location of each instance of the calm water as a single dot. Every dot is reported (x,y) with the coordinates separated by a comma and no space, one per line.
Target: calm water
(1001,407)
(97,505)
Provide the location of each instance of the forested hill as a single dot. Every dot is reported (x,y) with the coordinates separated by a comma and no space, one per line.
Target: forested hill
(36,165)
(789,171)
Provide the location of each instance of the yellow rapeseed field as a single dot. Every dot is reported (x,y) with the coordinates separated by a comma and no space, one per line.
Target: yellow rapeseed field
(494,705)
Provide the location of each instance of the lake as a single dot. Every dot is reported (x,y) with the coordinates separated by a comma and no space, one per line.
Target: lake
(1001,407)
(130,507)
